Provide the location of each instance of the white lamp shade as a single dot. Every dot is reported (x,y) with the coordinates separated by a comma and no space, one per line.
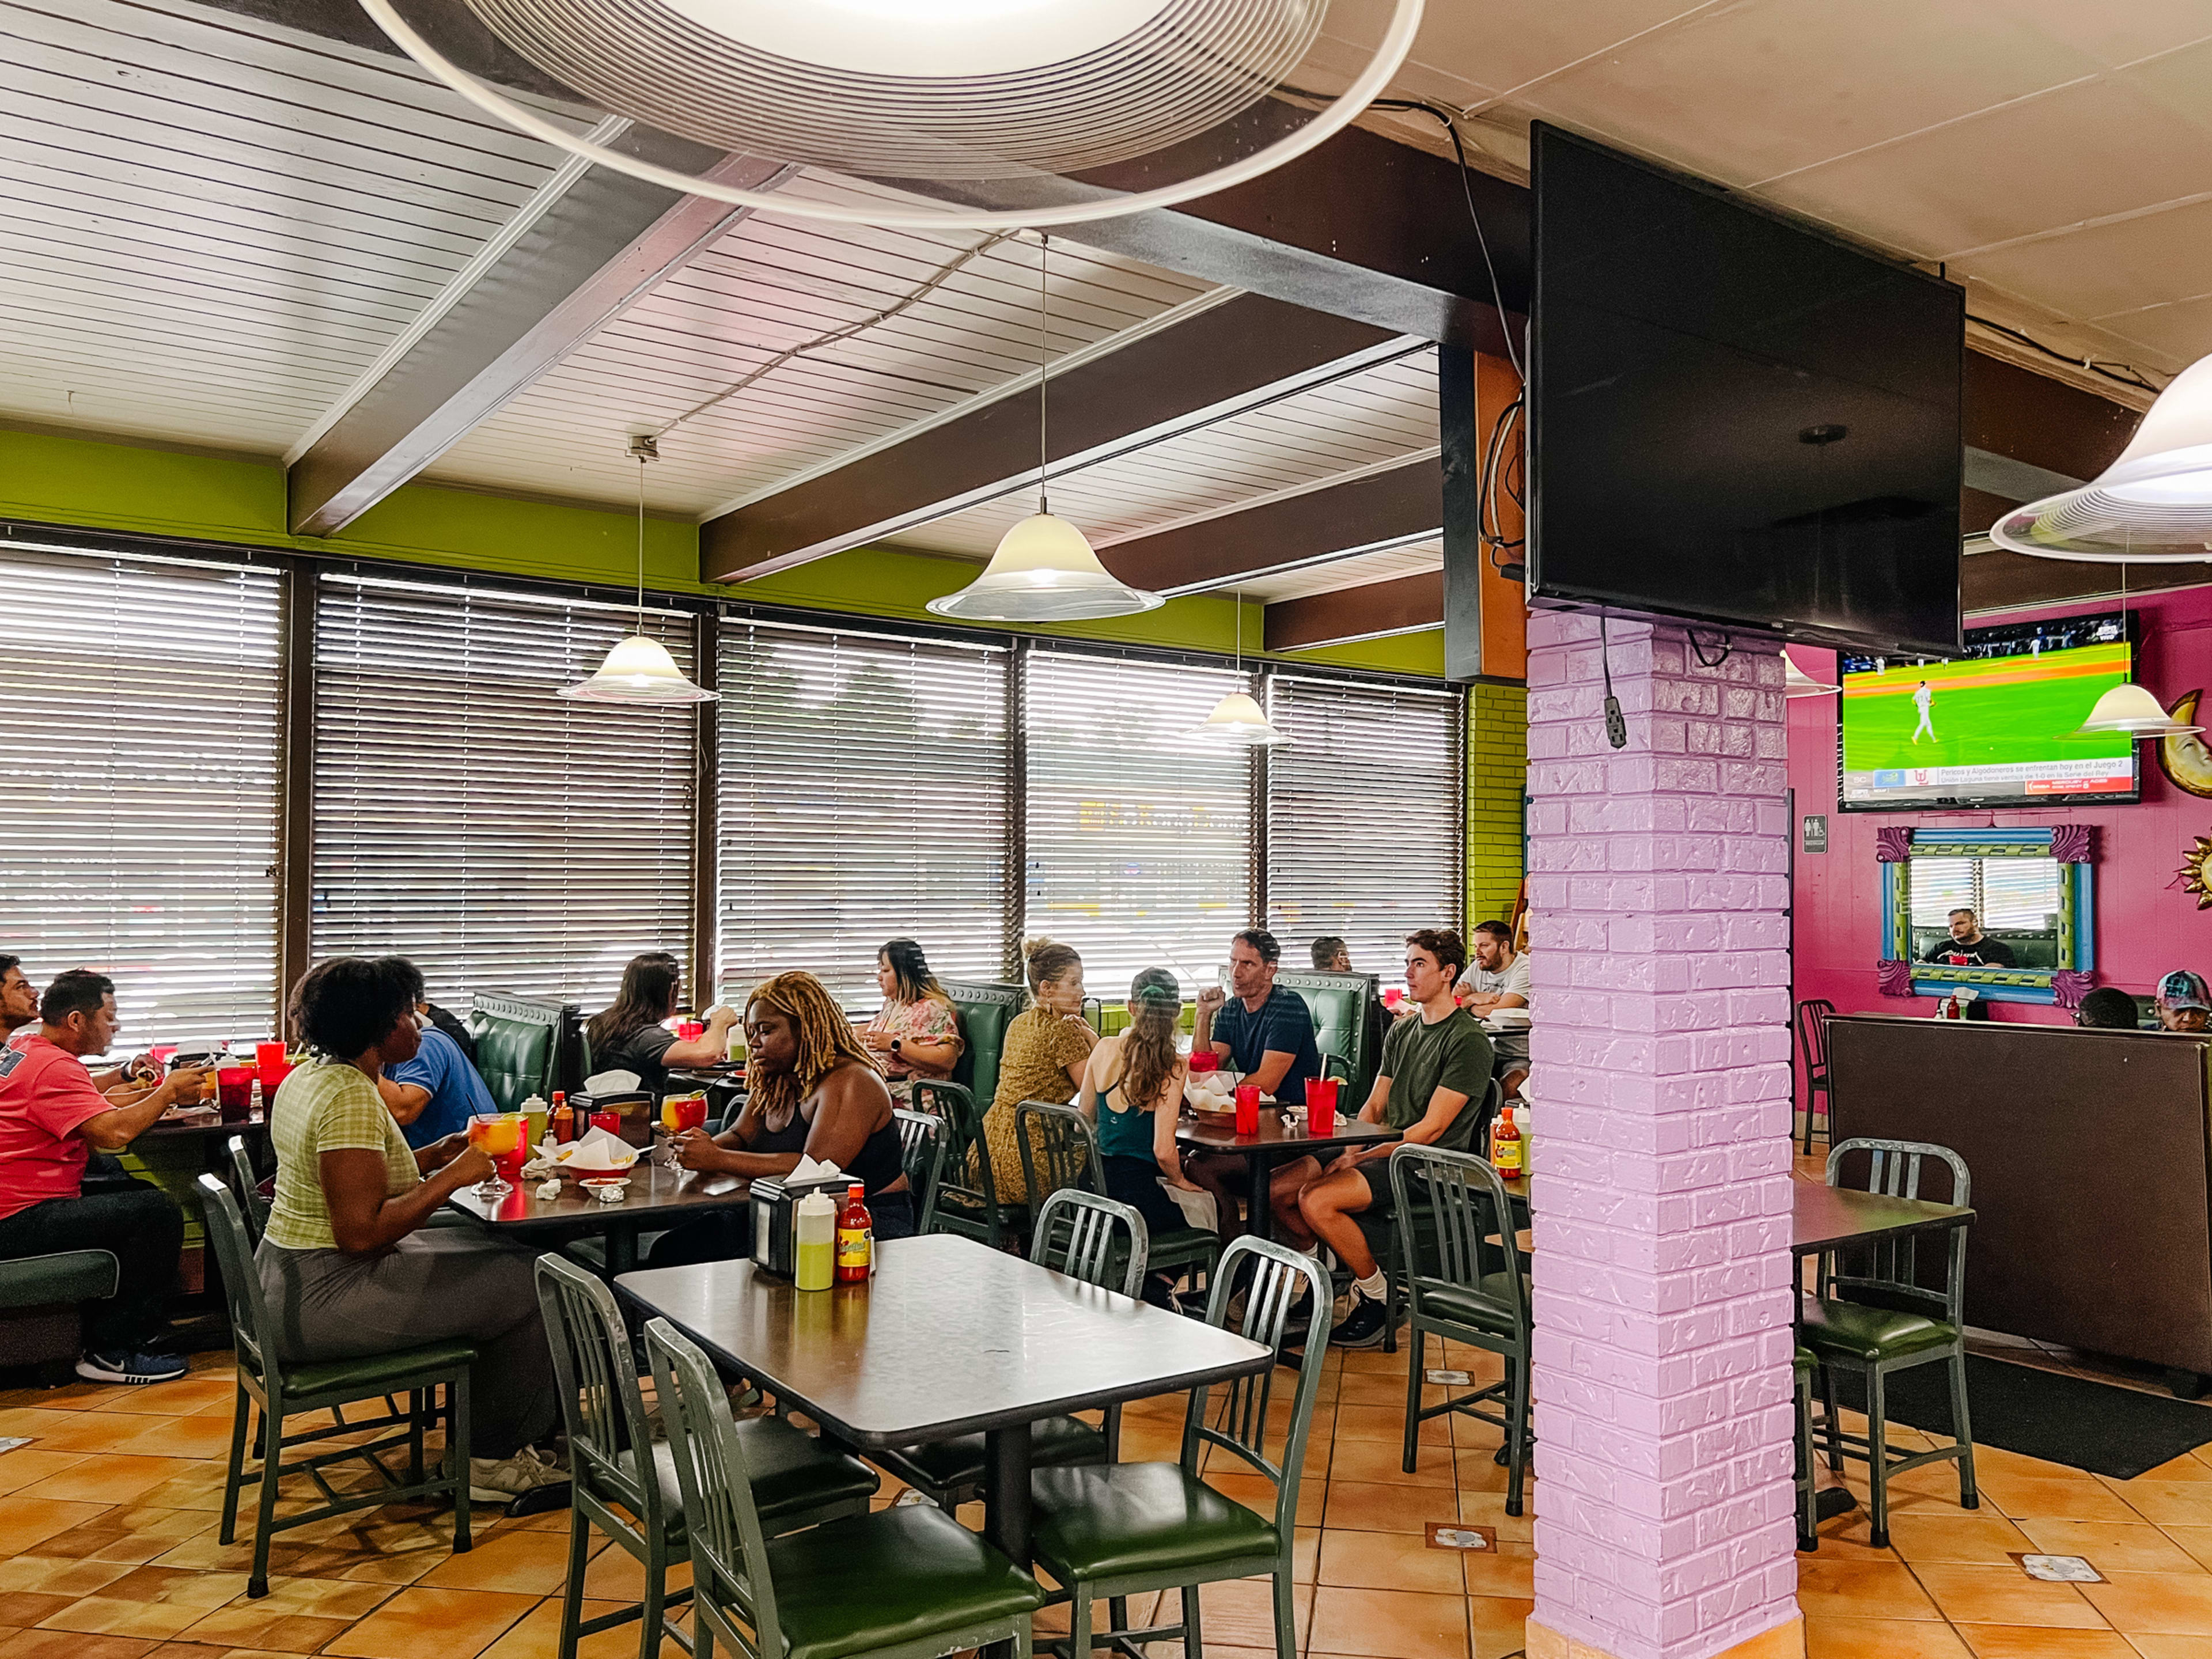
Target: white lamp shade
(1044,571)
(638,671)
(1237,719)
(2153,506)
(2131,711)
(1796,683)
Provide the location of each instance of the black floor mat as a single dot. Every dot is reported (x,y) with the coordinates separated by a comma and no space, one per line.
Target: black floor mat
(2094,1426)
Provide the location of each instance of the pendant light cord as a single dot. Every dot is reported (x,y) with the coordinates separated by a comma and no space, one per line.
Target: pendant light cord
(1044,363)
(645,448)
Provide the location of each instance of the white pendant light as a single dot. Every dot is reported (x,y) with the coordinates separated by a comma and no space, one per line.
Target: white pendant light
(1796,683)
(1043,570)
(1237,718)
(639,670)
(2153,506)
(2131,711)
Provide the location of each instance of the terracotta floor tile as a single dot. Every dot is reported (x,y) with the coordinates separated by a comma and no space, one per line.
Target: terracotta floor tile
(2156,1603)
(98,1432)
(127,1534)
(112,1478)
(1386,1424)
(1388,1561)
(322,1598)
(2067,1497)
(200,1487)
(1372,1390)
(1361,1507)
(1498,1625)
(1504,1571)
(2194,1542)
(1860,1590)
(20,1610)
(2190,1466)
(244,1624)
(537,1636)
(27,1466)
(205,1590)
(1373,1362)
(50,1576)
(528,1562)
(454,1623)
(2168,1647)
(2027,1642)
(2111,1545)
(179,1399)
(182,1436)
(1387,1624)
(101,1615)
(2167,1502)
(37,1422)
(2003,1595)
(25,1521)
(1240,1613)
(1487,1509)
(1968,1535)
(65,1644)
(615,1575)
(1881,1638)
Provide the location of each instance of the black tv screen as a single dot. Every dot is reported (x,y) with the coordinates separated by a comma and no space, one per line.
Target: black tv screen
(1736,419)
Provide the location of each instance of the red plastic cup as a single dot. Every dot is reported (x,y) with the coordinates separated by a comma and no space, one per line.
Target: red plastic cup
(268,1056)
(1248,1108)
(690,1031)
(1393,997)
(1320,1105)
(1205,1060)
(235,1092)
(610,1121)
(162,1054)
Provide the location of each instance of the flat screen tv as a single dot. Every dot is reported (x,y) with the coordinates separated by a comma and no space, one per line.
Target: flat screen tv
(1733,418)
(1993,726)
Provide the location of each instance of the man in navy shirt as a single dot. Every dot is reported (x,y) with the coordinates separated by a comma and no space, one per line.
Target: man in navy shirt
(437,1093)
(1266,1031)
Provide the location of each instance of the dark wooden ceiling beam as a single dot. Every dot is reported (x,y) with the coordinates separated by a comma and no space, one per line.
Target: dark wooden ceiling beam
(1390,508)
(1400,606)
(1243,352)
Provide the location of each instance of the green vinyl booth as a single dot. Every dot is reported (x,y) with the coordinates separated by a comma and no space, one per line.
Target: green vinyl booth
(985,1009)
(523,1048)
(39,1298)
(1339,1004)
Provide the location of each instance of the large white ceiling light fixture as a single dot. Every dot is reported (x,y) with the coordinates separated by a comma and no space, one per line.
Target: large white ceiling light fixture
(2153,506)
(639,670)
(1026,92)
(1237,718)
(1044,570)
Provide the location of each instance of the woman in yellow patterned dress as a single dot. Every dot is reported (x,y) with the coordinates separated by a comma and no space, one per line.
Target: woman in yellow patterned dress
(1046,1048)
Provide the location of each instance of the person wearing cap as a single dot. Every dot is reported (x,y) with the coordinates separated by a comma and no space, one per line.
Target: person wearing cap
(2183,1003)
(1968,946)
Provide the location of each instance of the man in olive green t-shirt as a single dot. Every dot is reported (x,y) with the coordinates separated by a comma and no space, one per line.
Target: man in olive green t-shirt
(1433,1089)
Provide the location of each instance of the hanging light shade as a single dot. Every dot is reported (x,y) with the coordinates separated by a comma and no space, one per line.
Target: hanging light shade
(639,670)
(1796,683)
(2131,711)
(1237,719)
(2153,506)
(1044,571)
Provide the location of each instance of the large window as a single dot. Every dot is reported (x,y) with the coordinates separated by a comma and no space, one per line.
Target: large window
(862,798)
(1364,812)
(139,748)
(506,838)
(1139,836)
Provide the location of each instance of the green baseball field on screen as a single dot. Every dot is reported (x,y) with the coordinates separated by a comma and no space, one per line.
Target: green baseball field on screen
(1996,712)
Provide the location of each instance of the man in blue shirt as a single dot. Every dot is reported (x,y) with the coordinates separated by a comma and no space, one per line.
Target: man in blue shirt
(1267,1032)
(437,1093)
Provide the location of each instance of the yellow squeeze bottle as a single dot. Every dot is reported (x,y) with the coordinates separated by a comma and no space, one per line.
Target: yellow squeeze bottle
(816,1220)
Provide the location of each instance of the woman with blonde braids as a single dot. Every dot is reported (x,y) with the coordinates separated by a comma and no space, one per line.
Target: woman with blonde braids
(814,1091)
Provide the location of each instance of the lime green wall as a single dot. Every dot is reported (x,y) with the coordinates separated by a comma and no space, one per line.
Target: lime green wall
(91,484)
(1497,780)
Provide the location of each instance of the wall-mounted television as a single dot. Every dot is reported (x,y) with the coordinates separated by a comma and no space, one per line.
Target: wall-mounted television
(1992,726)
(1735,418)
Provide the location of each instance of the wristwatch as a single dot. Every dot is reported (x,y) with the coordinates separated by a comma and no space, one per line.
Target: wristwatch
(894,1045)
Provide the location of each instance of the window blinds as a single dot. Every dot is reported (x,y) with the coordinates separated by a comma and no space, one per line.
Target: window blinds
(1139,836)
(1364,818)
(862,797)
(505,838)
(1940,885)
(139,748)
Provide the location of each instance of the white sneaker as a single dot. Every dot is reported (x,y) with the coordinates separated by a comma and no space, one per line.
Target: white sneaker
(496,1481)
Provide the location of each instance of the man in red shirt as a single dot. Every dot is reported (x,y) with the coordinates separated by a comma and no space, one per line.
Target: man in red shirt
(52,1118)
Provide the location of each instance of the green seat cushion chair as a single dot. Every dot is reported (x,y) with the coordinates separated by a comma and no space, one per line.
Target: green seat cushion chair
(1100,1523)
(518,1046)
(793,1475)
(924,1575)
(1803,1360)
(1054,1440)
(1442,1301)
(38,1281)
(1851,1330)
(372,1373)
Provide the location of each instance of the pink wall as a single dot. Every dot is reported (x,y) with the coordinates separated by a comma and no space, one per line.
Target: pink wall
(2146,925)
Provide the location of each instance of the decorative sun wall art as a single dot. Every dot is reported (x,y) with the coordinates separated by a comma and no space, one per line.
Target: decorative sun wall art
(2186,760)
(2196,871)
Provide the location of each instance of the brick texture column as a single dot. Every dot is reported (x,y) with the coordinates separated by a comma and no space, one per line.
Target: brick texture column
(1658,880)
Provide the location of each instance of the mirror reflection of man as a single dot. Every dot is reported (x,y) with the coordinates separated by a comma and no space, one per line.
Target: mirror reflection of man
(1969,946)
(2183,1003)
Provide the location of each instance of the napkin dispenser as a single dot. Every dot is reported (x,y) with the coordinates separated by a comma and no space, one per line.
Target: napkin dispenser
(634,1107)
(774,1210)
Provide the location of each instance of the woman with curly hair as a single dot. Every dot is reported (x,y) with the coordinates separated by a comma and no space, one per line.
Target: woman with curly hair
(816,1092)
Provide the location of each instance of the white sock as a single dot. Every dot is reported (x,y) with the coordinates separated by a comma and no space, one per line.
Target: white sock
(1312,1250)
(1374,1287)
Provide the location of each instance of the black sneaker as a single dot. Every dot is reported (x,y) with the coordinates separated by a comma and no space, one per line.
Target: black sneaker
(129,1367)
(1365,1327)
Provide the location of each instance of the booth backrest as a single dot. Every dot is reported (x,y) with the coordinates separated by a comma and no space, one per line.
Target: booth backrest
(520,1045)
(985,1010)
(1339,1004)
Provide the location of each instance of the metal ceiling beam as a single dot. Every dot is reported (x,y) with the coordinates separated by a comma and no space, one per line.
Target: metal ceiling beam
(1400,606)
(573,259)
(1394,507)
(1236,356)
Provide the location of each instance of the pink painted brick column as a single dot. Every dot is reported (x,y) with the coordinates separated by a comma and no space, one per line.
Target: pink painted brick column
(1658,880)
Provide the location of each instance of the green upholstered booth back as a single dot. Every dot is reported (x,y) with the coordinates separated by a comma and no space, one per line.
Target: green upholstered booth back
(39,1295)
(985,1010)
(520,1045)
(1339,1004)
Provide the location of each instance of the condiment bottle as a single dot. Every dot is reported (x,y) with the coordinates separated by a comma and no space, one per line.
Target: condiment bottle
(815,1221)
(1505,1146)
(856,1238)
(562,1120)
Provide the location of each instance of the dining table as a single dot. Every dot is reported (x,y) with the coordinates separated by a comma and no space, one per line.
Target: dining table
(655,1198)
(1283,1136)
(948,1338)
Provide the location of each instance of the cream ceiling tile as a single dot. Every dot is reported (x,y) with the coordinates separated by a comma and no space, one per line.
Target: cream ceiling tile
(2181,332)
(2113,33)
(1507,45)
(2109,269)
